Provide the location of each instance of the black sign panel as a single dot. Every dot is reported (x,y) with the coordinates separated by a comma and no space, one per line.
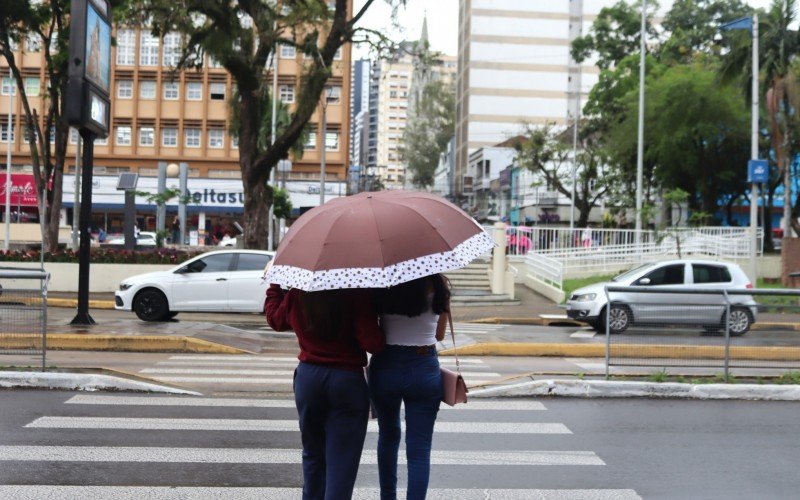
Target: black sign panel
(88,88)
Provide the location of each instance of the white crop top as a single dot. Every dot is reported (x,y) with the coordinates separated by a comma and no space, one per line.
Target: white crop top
(402,330)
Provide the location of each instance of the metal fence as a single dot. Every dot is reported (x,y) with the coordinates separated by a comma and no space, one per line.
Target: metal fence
(705,328)
(23,312)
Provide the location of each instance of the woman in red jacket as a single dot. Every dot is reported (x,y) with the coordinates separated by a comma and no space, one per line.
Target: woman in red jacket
(335,329)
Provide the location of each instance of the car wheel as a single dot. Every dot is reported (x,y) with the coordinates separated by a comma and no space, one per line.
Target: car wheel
(151,305)
(620,318)
(739,321)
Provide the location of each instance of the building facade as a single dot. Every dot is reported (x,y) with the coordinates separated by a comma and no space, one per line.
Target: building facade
(359,112)
(160,115)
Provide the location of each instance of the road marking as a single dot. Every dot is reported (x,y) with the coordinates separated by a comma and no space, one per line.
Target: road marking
(581,334)
(211,371)
(25,492)
(277,456)
(89,399)
(226,380)
(234,357)
(235,424)
(446,361)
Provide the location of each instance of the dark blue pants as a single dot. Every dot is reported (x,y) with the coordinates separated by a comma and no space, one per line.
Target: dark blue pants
(333,406)
(401,375)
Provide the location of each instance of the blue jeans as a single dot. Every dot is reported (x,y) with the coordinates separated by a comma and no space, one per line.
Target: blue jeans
(333,406)
(401,375)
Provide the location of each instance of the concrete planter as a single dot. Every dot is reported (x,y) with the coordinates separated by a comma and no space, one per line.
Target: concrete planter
(103,278)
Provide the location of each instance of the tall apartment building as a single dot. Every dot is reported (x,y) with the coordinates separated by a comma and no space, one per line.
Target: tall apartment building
(359,112)
(158,115)
(514,67)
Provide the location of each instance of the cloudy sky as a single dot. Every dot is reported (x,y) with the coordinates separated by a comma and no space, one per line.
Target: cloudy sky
(442,21)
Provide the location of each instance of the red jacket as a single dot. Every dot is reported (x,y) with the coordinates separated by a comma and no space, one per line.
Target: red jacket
(347,351)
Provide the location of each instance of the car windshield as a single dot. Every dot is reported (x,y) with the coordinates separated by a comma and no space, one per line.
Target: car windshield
(628,274)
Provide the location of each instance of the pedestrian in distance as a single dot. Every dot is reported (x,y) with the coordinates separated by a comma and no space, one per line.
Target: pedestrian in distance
(335,329)
(413,316)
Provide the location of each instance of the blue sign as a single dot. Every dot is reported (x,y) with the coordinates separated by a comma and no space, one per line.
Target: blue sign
(757,171)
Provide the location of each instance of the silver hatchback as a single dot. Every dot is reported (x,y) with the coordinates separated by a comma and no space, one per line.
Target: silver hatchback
(589,304)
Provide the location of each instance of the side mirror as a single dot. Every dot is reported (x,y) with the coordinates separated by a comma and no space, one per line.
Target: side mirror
(182,270)
(644,281)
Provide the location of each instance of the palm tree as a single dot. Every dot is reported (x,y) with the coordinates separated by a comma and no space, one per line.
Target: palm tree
(778,47)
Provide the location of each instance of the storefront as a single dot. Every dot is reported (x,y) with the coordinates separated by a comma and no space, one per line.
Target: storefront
(24,206)
(219,203)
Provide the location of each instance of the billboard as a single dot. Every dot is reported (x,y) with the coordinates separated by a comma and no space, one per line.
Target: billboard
(98,49)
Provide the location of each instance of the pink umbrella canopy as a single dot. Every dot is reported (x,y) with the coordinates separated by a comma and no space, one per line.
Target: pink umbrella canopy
(375,240)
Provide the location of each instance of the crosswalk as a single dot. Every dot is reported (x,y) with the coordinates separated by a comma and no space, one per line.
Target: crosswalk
(228,372)
(110,446)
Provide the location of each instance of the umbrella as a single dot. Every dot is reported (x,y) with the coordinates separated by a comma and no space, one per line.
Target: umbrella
(375,240)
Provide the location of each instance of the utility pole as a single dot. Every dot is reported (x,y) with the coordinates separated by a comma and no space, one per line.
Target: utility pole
(76,205)
(640,144)
(324,146)
(9,129)
(273,131)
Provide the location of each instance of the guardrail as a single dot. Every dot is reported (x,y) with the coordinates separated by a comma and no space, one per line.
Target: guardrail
(546,269)
(23,312)
(700,328)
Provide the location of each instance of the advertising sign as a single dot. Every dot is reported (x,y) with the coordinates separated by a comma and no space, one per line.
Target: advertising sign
(757,171)
(23,191)
(98,48)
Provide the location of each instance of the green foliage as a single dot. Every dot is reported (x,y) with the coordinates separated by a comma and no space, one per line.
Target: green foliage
(282,121)
(281,204)
(659,376)
(572,284)
(161,199)
(430,127)
(103,256)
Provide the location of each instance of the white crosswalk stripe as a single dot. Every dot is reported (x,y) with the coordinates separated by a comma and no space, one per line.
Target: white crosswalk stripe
(237,424)
(91,399)
(26,492)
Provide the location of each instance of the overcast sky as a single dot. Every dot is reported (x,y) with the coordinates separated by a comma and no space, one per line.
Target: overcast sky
(442,21)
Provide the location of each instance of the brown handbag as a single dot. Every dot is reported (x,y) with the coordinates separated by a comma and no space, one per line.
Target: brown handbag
(454,389)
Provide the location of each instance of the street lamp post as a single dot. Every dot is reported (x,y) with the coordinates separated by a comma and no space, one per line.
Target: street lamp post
(325,97)
(9,128)
(640,143)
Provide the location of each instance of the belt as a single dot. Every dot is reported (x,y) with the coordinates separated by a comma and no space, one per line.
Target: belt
(419,350)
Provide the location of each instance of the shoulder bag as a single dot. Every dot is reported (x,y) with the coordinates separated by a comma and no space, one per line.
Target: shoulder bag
(454,389)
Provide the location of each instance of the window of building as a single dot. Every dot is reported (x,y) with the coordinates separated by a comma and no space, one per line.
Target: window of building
(338,55)
(123,135)
(169,137)
(214,173)
(148,50)
(235,141)
(73,135)
(194,91)
(124,89)
(286,93)
(311,142)
(172,49)
(216,91)
(5,128)
(147,136)
(32,86)
(147,89)
(33,43)
(393,94)
(9,86)
(192,137)
(333,94)
(170,91)
(288,52)
(213,63)
(332,141)
(101,142)
(126,48)
(215,138)
(29,133)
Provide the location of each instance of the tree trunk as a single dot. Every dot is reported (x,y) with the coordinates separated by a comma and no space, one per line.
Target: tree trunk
(257,200)
(257,195)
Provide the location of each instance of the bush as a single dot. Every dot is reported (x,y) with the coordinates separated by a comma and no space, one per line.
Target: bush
(104,256)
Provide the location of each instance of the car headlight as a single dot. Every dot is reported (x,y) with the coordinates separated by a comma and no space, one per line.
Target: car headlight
(586,297)
(124,286)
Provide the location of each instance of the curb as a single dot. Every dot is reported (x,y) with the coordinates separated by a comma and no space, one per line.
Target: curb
(81,382)
(120,343)
(609,389)
(73,303)
(760,325)
(654,351)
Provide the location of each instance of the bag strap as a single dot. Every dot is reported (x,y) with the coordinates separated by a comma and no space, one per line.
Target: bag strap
(453,336)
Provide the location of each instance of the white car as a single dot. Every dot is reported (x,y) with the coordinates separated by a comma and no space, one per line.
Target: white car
(218,281)
(145,239)
(588,304)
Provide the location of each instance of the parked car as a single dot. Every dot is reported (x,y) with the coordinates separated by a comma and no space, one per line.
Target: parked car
(145,239)
(217,281)
(589,304)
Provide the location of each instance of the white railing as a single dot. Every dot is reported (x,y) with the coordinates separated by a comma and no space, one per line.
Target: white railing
(611,250)
(546,269)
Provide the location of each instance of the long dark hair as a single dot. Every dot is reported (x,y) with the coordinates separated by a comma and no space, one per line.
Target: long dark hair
(411,298)
(323,313)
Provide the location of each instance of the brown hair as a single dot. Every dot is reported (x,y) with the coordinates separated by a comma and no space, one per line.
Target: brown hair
(323,313)
(411,298)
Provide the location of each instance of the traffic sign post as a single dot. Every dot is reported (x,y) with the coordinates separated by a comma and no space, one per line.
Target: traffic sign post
(757,171)
(88,109)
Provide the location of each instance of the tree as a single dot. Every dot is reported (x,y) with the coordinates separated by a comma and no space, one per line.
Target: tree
(430,127)
(547,152)
(779,44)
(693,28)
(243,36)
(46,25)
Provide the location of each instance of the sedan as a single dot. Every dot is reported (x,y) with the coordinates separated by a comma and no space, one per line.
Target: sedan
(145,239)
(589,304)
(218,281)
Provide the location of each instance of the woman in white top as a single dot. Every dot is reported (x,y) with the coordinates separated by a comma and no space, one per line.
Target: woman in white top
(413,316)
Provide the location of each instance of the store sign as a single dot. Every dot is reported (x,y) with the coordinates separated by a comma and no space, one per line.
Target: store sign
(23,191)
